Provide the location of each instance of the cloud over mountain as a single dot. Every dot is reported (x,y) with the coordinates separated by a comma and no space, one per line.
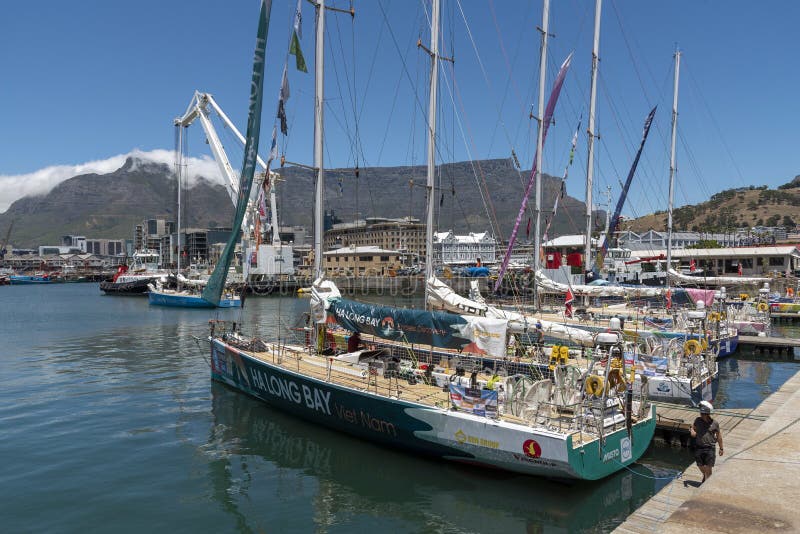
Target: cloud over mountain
(41,182)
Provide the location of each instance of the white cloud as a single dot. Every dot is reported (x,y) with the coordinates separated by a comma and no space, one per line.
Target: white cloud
(14,187)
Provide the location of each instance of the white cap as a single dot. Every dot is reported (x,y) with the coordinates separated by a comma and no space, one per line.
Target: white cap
(706,407)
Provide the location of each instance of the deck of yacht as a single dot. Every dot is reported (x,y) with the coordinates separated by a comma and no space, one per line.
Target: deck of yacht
(298,359)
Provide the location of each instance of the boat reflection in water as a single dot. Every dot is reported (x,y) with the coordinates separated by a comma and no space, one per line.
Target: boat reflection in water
(270,470)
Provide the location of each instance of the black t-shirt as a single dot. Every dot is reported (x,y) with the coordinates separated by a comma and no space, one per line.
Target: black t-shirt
(353,343)
(706,433)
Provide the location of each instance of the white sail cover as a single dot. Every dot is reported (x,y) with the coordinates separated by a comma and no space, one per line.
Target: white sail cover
(597,291)
(717,280)
(442,296)
(321,291)
(188,282)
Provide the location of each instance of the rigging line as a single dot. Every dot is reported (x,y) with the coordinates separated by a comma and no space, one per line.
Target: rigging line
(695,167)
(340,101)
(511,83)
(354,140)
(485,75)
(714,123)
(420,106)
(766,438)
(630,50)
(486,198)
(411,146)
(370,74)
(389,122)
(627,144)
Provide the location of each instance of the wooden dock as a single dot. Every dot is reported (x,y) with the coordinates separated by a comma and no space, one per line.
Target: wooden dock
(674,422)
(770,345)
(654,515)
(784,316)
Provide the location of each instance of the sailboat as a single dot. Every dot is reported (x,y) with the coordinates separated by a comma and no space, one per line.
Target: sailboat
(187,294)
(677,365)
(212,293)
(574,427)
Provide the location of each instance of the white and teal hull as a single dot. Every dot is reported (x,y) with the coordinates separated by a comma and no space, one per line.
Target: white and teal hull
(424,429)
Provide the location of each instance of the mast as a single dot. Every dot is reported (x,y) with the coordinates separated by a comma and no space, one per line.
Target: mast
(591,136)
(319,192)
(540,138)
(672,169)
(431,183)
(178,172)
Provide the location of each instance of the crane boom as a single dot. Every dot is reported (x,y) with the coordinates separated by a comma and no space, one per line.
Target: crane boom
(201,107)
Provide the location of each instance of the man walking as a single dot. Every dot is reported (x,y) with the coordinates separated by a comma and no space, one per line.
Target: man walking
(706,435)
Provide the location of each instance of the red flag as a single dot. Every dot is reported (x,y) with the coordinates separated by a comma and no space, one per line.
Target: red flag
(740,268)
(692,266)
(568,303)
(669,299)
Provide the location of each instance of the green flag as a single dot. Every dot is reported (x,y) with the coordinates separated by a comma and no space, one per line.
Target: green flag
(294,49)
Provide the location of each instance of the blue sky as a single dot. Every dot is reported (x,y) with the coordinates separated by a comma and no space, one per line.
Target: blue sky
(86,82)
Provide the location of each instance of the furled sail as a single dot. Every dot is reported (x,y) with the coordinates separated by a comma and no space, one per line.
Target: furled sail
(717,280)
(442,296)
(597,291)
(475,334)
(216,284)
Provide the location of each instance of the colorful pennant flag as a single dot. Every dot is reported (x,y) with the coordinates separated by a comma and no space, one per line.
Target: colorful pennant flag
(568,303)
(297,34)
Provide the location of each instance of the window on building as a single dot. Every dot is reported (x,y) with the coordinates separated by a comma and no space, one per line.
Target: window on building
(365,258)
(384,258)
(775,261)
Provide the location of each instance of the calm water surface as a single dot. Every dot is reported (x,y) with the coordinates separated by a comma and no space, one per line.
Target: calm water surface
(109,422)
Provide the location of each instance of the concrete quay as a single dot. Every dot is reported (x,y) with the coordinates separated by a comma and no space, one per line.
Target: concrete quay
(755,486)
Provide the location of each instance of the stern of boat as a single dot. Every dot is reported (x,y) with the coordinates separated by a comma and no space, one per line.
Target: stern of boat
(598,458)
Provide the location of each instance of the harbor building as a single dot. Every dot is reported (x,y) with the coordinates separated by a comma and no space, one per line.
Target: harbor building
(566,250)
(754,261)
(405,235)
(150,233)
(469,249)
(362,261)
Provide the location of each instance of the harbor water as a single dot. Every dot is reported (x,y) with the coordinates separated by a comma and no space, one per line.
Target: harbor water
(109,422)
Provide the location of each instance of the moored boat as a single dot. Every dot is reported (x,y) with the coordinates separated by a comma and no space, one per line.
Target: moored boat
(24,279)
(519,422)
(188,298)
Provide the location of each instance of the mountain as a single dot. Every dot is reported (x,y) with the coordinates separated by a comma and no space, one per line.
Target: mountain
(388,192)
(109,205)
(730,209)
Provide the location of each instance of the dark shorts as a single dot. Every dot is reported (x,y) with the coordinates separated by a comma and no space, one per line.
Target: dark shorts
(705,456)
